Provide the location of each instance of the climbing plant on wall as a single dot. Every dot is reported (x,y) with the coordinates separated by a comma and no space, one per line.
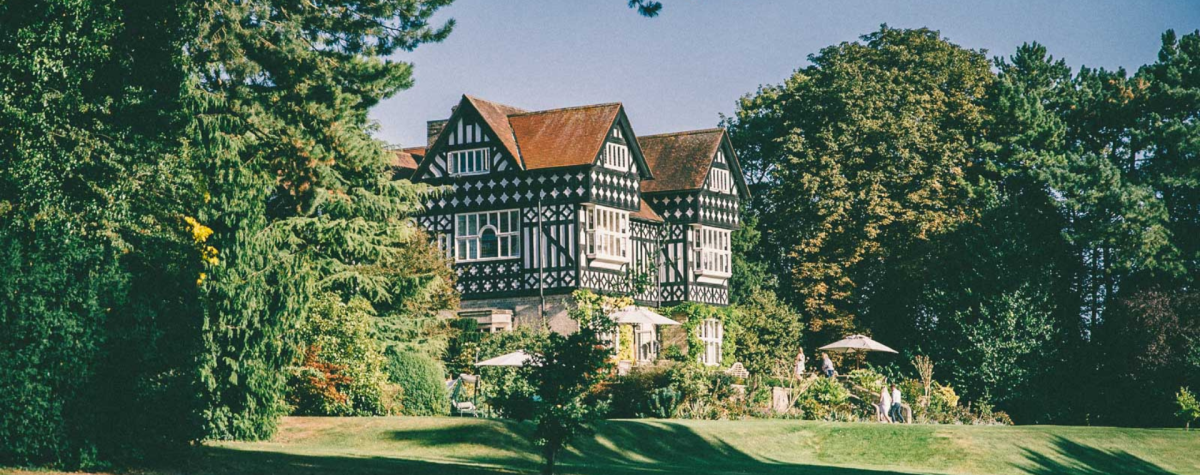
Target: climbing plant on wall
(691,315)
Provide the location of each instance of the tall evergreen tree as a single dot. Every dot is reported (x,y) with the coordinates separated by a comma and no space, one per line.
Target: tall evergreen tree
(301,200)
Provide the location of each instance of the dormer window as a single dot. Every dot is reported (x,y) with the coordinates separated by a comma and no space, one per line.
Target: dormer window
(469,162)
(616,157)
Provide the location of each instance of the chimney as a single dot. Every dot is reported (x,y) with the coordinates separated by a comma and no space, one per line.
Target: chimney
(434,128)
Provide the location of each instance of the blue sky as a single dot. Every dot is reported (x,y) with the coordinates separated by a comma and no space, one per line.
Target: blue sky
(679,71)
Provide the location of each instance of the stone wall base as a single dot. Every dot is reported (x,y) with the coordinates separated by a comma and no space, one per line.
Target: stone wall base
(525,311)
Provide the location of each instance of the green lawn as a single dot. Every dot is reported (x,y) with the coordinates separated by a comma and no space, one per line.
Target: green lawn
(393,445)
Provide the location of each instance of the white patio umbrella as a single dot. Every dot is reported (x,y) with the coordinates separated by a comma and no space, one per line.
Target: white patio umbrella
(516,358)
(856,343)
(638,314)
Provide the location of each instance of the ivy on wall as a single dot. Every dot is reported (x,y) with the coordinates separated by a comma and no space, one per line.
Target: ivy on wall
(690,315)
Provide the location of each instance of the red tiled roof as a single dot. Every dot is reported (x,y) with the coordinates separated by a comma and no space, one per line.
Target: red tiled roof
(407,158)
(562,137)
(681,160)
(496,116)
(646,213)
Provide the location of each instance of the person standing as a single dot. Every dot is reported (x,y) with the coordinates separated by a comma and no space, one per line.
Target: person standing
(897,408)
(827,365)
(885,404)
(800,361)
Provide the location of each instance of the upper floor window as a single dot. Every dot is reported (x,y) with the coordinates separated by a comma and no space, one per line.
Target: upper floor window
(616,132)
(720,181)
(616,157)
(720,156)
(711,254)
(711,333)
(487,235)
(606,234)
(469,162)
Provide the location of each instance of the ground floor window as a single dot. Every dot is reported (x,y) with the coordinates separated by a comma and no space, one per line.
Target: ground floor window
(711,334)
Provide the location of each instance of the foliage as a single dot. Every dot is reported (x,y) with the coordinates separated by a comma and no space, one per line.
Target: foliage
(1001,351)
(876,139)
(1189,407)
(566,370)
(770,333)
(97,275)
(342,369)
(1150,339)
(691,315)
(421,380)
(508,391)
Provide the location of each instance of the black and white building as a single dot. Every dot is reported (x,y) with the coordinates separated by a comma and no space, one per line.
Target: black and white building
(537,204)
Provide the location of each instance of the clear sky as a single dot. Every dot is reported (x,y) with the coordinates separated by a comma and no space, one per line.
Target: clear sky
(682,69)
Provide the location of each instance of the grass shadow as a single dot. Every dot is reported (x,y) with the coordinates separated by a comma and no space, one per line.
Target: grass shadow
(1072,458)
(620,447)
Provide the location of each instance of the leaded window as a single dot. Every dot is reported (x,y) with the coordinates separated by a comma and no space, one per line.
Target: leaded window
(487,235)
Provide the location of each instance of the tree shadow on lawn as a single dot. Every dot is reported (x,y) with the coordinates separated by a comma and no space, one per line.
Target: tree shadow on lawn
(1077,459)
(618,447)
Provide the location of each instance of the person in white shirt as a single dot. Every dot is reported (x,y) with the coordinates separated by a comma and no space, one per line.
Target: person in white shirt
(897,409)
(885,404)
(800,361)
(827,365)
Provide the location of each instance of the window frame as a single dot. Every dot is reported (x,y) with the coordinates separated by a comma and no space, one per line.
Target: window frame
(604,229)
(484,161)
(468,244)
(711,334)
(712,254)
(614,151)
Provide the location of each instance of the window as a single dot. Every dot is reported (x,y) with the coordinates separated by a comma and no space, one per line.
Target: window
(720,181)
(616,157)
(469,162)
(710,252)
(720,156)
(711,334)
(487,235)
(617,132)
(606,234)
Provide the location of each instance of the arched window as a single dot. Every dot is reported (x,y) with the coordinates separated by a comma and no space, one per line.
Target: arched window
(489,246)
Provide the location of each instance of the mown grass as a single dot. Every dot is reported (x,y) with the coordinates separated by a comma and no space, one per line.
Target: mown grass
(394,445)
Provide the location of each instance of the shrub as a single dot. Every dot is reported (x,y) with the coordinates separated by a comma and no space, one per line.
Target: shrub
(629,395)
(341,368)
(1189,407)
(423,389)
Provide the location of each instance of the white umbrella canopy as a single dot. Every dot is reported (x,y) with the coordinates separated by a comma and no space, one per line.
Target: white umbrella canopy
(516,358)
(638,314)
(854,343)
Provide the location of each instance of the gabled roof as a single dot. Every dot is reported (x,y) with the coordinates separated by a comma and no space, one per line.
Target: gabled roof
(646,213)
(680,160)
(496,116)
(563,137)
(555,138)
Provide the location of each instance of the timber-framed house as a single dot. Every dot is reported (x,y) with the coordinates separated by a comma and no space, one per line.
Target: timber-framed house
(538,204)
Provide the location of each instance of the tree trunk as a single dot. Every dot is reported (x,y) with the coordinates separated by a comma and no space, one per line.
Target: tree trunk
(548,453)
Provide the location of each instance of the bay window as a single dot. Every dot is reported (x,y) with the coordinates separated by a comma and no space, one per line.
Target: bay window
(487,235)
(711,254)
(606,234)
